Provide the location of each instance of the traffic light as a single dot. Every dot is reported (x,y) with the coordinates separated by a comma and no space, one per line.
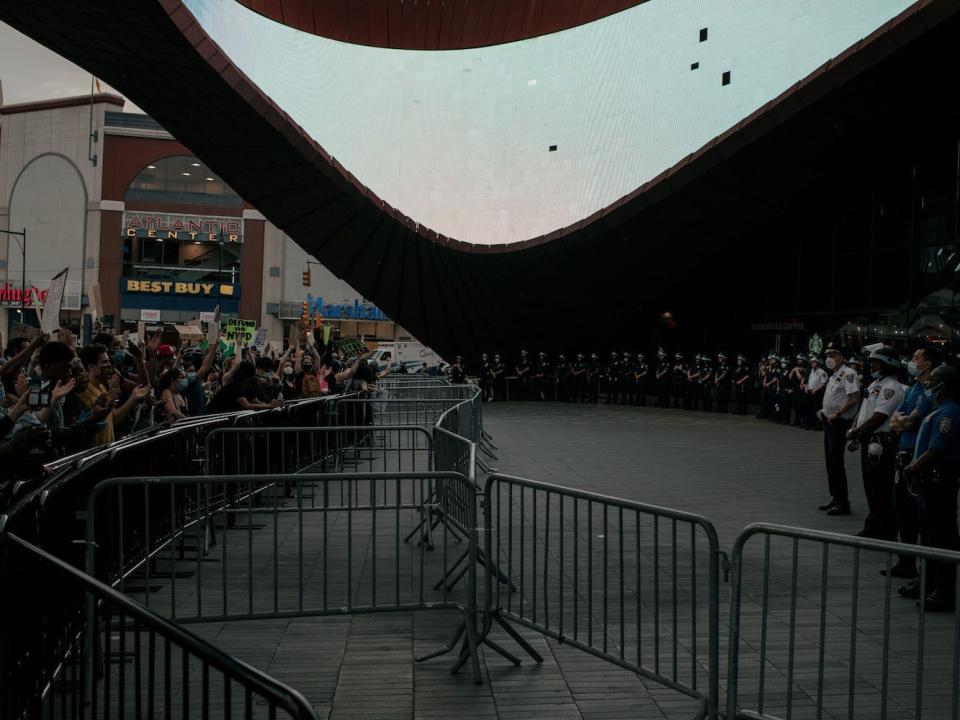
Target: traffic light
(305,317)
(306,276)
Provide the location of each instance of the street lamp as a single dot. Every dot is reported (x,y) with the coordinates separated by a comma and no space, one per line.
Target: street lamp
(23,289)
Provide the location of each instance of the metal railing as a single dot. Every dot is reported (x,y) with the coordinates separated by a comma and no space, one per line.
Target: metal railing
(830,643)
(634,584)
(144,665)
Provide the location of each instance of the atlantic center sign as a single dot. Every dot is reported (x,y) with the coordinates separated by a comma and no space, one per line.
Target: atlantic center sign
(184,228)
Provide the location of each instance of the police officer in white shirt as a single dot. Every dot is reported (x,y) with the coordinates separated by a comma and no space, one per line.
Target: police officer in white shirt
(878,446)
(813,388)
(840,400)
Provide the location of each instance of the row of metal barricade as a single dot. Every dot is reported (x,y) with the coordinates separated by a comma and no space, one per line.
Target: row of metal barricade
(390,503)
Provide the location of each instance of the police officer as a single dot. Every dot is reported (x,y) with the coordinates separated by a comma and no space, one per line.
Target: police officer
(785,390)
(612,374)
(498,377)
(578,379)
(840,399)
(813,387)
(797,383)
(707,383)
(593,379)
(721,382)
(692,388)
(627,385)
(640,375)
(679,380)
(906,422)
(563,382)
(742,379)
(523,370)
(663,378)
(486,380)
(771,389)
(935,472)
(877,445)
(539,374)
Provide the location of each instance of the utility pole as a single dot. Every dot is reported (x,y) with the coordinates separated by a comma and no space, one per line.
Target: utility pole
(23,275)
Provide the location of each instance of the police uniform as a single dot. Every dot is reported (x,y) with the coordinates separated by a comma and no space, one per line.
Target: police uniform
(905,503)
(721,381)
(799,397)
(612,374)
(815,383)
(578,379)
(523,369)
(640,376)
(842,383)
(937,498)
(486,379)
(563,383)
(539,377)
(663,378)
(742,379)
(628,385)
(692,389)
(498,377)
(884,395)
(707,384)
(593,379)
(679,381)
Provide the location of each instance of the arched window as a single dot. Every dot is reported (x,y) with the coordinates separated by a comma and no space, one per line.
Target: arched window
(181,179)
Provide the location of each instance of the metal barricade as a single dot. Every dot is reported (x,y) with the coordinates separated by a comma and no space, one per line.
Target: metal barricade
(144,665)
(338,552)
(634,584)
(832,643)
(286,450)
(386,411)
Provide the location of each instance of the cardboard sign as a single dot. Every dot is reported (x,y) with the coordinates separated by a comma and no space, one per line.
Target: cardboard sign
(241,331)
(213,331)
(96,301)
(51,315)
(23,330)
(260,341)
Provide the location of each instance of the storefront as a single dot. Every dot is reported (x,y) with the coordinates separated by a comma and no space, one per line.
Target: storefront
(177,266)
(148,232)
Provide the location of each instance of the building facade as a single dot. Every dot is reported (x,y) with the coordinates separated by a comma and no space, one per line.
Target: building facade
(147,232)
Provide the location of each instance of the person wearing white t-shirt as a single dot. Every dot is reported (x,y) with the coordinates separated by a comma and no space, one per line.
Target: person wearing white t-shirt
(877,445)
(840,397)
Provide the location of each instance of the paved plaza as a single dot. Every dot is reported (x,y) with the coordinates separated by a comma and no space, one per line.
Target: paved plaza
(734,471)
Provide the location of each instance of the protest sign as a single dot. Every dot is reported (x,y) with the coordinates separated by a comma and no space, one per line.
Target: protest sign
(240,331)
(51,315)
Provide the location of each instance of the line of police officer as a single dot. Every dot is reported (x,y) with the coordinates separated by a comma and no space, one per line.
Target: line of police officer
(908,441)
(624,379)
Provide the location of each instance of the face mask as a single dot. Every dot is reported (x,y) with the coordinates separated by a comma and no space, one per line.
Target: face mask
(288,370)
(119,356)
(831,364)
(931,391)
(875,374)
(914,369)
(182,383)
(191,376)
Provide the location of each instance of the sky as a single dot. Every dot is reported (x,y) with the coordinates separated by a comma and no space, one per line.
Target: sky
(29,72)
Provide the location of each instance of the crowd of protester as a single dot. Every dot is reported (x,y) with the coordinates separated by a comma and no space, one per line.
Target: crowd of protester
(59,398)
